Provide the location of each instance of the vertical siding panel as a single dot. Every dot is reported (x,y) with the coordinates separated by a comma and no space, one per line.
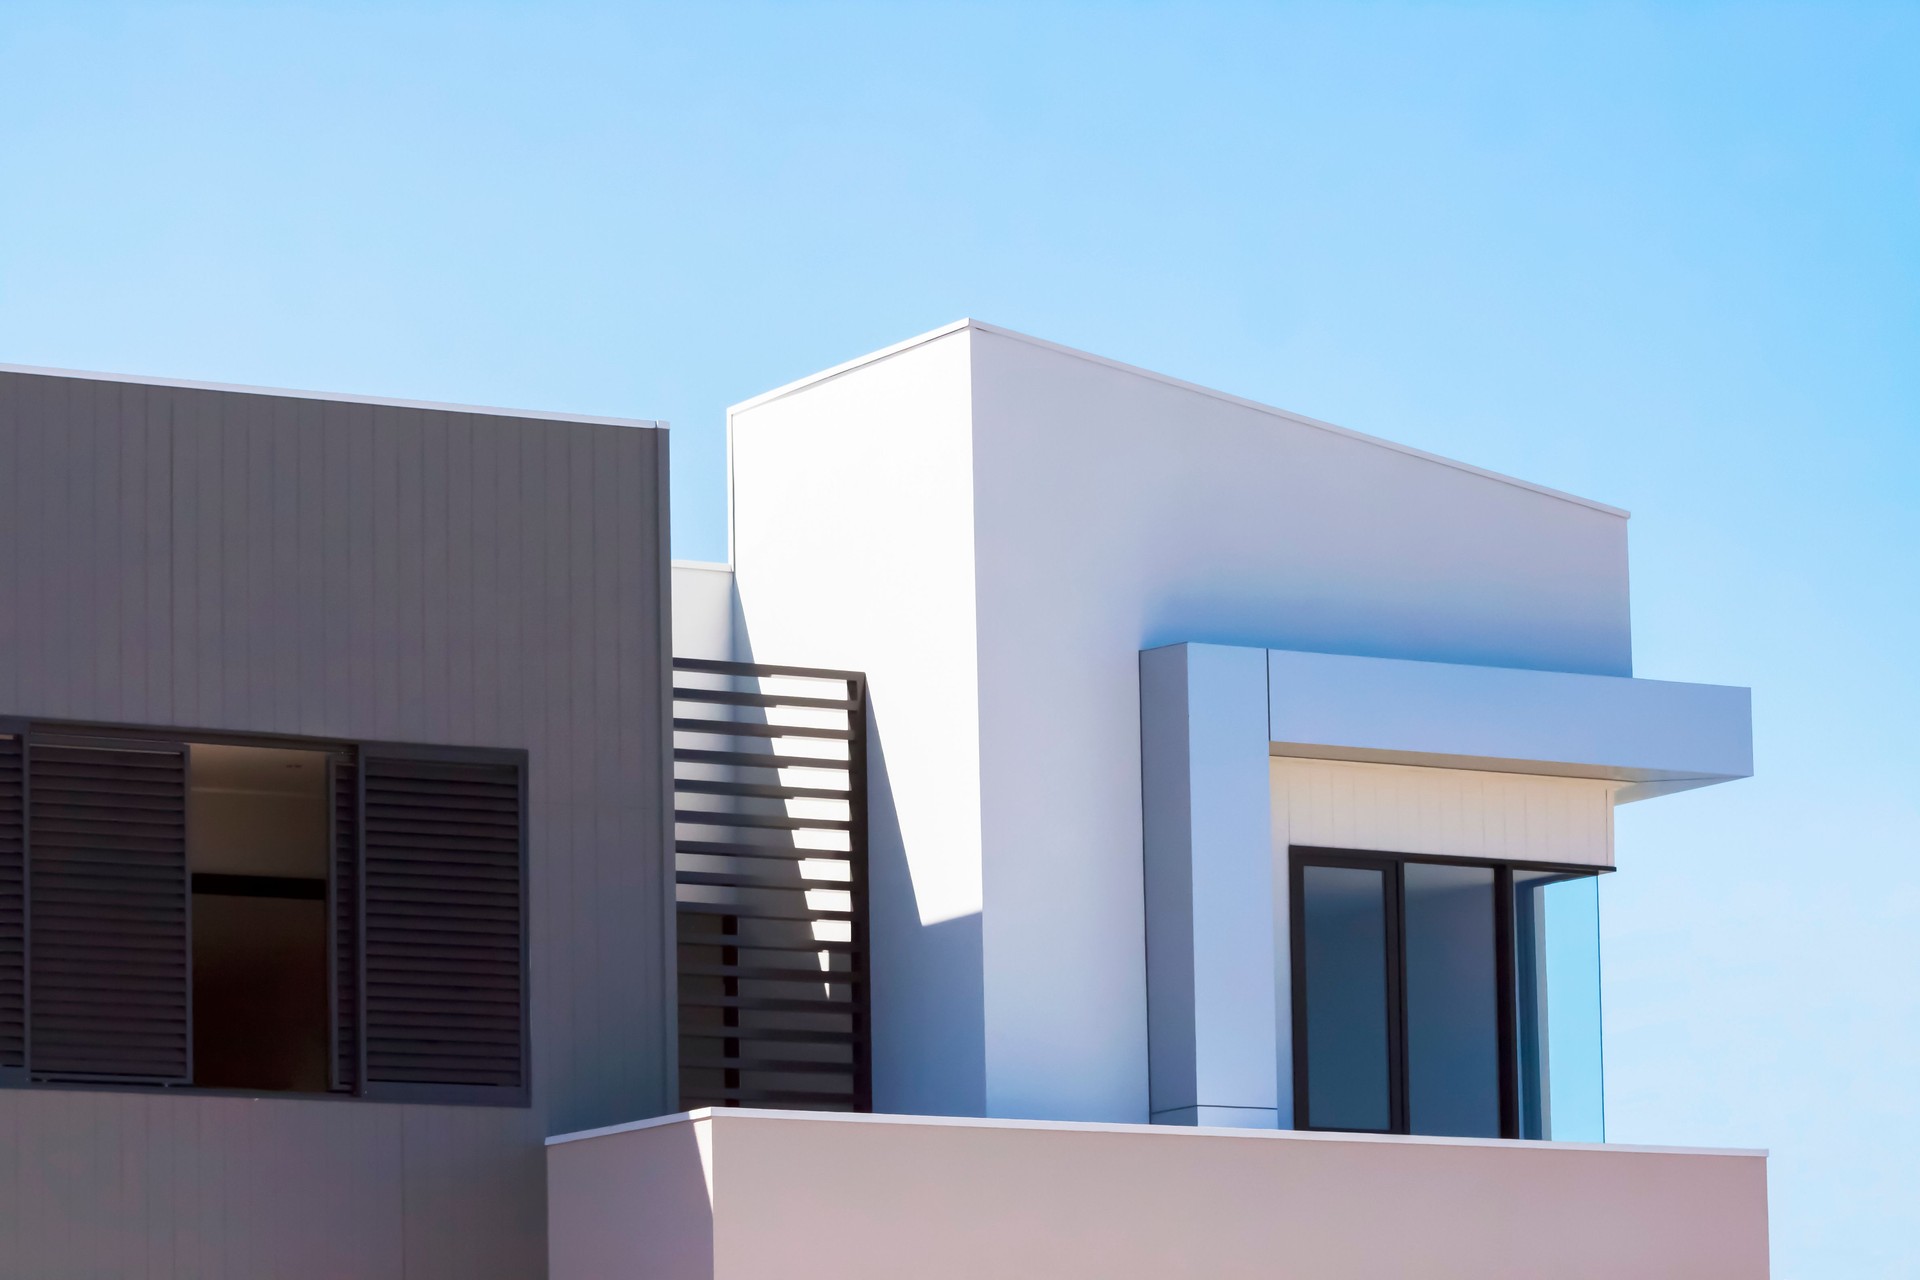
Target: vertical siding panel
(129,1128)
(552,653)
(25,618)
(459,623)
(42,1244)
(82,600)
(183,442)
(366,688)
(422,1242)
(519,679)
(284,667)
(222,575)
(157,1138)
(334,557)
(518,572)
(11,548)
(388,643)
(44,683)
(488,588)
(432,713)
(410,617)
(98,620)
(156,559)
(246,556)
(68,457)
(640,577)
(307,581)
(1314,804)
(53,605)
(19,645)
(584,607)
(617,968)
(12,1190)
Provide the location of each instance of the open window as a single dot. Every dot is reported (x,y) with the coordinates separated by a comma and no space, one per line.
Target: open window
(182,909)
(1444,997)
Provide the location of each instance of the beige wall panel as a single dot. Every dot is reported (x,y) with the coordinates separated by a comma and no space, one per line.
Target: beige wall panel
(1454,812)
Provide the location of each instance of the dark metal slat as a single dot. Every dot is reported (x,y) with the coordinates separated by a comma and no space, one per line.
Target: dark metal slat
(734,728)
(733,698)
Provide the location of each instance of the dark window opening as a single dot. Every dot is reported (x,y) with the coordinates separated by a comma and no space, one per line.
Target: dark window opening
(257,845)
(232,911)
(1444,997)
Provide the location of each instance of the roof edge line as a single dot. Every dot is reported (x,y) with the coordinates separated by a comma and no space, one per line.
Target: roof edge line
(1301,419)
(848,366)
(337,397)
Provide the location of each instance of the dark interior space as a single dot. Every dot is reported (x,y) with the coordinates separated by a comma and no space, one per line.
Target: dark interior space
(258,852)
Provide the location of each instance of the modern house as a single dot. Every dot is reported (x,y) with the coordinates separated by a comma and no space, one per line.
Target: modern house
(1094,825)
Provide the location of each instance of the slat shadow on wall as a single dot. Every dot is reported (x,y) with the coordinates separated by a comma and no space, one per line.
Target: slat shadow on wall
(770,847)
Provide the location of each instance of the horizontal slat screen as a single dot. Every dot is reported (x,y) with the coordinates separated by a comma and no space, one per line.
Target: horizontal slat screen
(770,850)
(444,917)
(108,896)
(13,903)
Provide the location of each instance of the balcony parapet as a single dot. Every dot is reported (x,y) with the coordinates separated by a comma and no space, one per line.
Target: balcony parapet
(729,1194)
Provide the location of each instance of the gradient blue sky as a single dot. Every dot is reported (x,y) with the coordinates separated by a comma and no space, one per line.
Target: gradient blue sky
(1668,257)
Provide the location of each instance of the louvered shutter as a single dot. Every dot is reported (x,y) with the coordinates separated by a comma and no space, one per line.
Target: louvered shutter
(343,922)
(13,898)
(443,920)
(109,903)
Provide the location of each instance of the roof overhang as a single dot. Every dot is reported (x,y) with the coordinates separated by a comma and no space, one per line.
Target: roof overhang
(1656,736)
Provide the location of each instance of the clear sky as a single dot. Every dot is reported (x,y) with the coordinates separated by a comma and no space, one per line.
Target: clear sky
(1667,257)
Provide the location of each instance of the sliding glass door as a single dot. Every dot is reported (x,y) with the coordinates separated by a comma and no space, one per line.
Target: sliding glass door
(1444,997)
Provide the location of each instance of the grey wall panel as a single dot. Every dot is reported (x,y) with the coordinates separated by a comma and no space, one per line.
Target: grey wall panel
(221,560)
(235,1189)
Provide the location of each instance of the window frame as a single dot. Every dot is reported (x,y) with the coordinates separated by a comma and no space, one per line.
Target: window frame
(358,749)
(1392,865)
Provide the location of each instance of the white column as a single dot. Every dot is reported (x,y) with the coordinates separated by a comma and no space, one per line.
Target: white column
(1213,1043)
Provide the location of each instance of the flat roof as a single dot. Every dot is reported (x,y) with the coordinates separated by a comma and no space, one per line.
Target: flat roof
(959,326)
(290,393)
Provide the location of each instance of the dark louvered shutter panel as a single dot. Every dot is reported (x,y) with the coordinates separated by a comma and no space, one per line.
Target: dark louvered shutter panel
(108,895)
(344,909)
(444,919)
(13,900)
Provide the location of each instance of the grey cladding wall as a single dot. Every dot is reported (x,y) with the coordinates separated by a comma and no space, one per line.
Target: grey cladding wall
(241,561)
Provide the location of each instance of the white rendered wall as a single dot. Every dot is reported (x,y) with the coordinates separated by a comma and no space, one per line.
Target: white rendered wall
(703,610)
(853,549)
(1116,511)
(994,528)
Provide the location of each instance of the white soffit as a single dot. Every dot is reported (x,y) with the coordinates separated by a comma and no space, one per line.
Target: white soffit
(1658,736)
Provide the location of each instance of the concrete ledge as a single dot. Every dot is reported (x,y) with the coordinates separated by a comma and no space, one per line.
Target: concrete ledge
(740,1194)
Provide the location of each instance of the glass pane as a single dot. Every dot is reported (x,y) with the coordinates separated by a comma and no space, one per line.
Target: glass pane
(1453,1001)
(1344,924)
(1556,922)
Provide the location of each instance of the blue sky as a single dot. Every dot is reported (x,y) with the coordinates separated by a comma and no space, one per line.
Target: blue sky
(1667,257)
